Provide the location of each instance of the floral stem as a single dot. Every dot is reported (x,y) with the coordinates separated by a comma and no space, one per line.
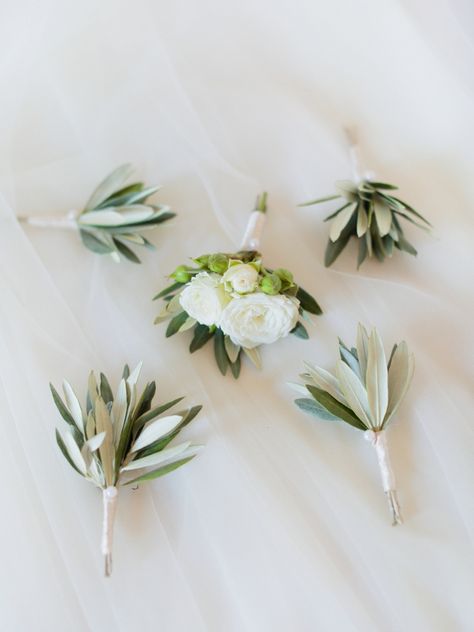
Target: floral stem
(359,173)
(378,440)
(254,230)
(109,500)
(394,507)
(68,220)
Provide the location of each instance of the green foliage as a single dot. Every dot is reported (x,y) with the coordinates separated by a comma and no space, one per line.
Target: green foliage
(365,392)
(370,213)
(116,215)
(122,432)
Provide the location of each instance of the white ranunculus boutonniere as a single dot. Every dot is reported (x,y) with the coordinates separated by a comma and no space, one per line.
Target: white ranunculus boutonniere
(236,300)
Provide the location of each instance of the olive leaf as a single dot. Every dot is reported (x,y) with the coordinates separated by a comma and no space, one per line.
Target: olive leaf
(354,392)
(377,379)
(160,471)
(176,323)
(340,221)
(362,350)
(220,352)
(254,356)
(202,334)
(232,349)
(400,374)
(370,215)
(308,303)
(335,408)
(325,381)
(300,331)
(313,407)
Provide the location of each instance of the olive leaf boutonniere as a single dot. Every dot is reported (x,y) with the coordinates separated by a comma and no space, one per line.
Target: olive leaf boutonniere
(365,392)
(114,217)
(114,437)
(372,214)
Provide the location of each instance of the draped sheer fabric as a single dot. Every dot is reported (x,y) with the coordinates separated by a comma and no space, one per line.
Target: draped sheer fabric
(280,524)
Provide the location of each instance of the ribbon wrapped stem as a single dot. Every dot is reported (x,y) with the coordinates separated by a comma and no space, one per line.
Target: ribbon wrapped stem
(109,499)
(67,221)
(359,173)
(378,439)
(254,230)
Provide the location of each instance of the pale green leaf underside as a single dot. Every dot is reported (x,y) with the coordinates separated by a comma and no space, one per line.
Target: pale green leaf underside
(377,379)
(340,221)
(254,356)
(400,375)
(158,457)
(155,430)
(112,183)
(326,381)
(383,215)
(362,350)
(354,392)
(73,404)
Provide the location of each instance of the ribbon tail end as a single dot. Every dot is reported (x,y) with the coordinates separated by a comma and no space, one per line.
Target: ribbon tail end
(108,564)
(394,507)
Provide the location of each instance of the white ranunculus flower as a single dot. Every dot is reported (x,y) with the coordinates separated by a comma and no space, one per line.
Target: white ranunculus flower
(204,298)
(258,319)
(242,278)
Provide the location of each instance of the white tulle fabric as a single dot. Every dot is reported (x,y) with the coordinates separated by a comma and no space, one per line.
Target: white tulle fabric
(280,524)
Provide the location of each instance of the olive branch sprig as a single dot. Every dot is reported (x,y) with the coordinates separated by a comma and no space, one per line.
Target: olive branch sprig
(113,436)
(365,392)
(372,214)
(114,217)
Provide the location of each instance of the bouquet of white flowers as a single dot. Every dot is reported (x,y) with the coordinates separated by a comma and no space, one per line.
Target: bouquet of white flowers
(234,299)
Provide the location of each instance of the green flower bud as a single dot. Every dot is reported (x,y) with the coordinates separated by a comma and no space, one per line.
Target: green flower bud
(202,261)
(181,274)
(285,276)
(218,263)
(270,284)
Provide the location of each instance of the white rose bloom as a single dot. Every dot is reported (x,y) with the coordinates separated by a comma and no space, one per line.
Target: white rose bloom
(242,278)
(204,298)
(259,319)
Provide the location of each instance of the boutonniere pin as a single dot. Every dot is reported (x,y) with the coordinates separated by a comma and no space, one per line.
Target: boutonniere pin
(371,212)
(114,218)
(114,437)
(365,392)
(236,301)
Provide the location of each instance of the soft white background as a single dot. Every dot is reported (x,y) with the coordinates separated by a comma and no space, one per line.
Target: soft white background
(280,524)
